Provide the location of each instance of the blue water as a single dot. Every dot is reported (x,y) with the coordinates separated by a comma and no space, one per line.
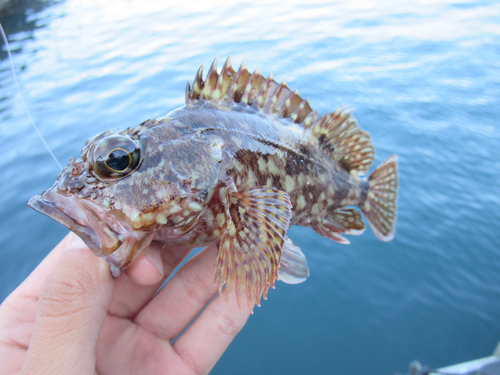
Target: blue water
(424,81)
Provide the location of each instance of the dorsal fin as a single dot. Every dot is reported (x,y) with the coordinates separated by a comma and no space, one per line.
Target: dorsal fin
(341,136)
(338,134)
(247,89)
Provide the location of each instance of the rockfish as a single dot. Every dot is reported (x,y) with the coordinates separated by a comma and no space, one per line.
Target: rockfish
(243,160)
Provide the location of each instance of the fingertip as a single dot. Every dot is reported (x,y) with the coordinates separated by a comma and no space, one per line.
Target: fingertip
(74,242)
(77,253)
(148,268)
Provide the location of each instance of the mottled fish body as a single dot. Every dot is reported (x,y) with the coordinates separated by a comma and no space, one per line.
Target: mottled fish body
(243,160)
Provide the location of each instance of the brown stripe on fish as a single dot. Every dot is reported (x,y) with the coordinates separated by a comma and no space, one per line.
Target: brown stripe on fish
(310,192)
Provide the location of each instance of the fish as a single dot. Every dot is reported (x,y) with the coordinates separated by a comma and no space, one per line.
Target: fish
(243,160)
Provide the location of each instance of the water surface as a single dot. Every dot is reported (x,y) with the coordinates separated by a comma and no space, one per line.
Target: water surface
(424,81)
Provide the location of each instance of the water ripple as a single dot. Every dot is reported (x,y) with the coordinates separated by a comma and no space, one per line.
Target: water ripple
(423,79)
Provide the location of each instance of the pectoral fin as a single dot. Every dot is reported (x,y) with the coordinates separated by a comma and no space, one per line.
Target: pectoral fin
(250,249)
(293,264)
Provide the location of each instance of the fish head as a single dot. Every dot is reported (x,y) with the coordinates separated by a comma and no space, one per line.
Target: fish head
(120,191)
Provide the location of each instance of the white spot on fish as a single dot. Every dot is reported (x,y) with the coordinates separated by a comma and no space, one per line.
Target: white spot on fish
(271,165)
(221,219)
(301,202)
(251,178)
(161,219)
(289,183)
(315,209)
(196,207)
(262,165)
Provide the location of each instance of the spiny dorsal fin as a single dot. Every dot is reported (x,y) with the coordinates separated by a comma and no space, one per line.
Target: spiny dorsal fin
(250,90)
(337,133)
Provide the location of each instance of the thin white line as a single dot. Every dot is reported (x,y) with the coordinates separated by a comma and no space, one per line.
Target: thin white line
(22,99)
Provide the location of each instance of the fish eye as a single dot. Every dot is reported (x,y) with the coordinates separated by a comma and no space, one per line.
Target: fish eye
(118,160)
(116,157)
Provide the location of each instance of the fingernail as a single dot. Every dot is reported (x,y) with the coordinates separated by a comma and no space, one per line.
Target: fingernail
(154,257)
(75,242)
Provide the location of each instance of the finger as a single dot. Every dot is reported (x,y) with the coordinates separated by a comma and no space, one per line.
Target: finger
(182,298)
(148,268)
(18,311)
(71,310)
(129,297)
(31,288)
(203,343)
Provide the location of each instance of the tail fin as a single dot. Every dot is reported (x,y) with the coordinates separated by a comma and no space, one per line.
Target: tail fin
(380,205)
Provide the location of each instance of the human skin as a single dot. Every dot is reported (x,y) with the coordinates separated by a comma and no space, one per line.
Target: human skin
(70,316)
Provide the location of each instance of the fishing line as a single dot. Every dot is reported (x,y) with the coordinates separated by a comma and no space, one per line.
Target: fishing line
(22,99)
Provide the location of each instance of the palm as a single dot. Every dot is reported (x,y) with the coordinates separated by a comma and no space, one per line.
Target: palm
(138,331)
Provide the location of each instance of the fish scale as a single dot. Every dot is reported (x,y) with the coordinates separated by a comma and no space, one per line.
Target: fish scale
(244,159)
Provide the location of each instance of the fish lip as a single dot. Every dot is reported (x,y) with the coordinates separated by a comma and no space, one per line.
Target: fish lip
(59,206)
(51,210)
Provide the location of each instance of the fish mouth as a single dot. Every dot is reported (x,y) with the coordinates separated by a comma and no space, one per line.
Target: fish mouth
(79,218)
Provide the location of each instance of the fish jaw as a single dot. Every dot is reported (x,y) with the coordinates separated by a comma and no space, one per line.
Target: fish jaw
(128,251)
(84,219)
(71,212)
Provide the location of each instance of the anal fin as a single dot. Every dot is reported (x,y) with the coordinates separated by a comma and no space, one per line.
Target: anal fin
(251,247)
(341,220)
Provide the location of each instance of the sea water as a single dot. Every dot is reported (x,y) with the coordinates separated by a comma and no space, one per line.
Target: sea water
(423,78)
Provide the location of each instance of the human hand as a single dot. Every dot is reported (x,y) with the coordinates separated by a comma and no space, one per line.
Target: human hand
(71,316)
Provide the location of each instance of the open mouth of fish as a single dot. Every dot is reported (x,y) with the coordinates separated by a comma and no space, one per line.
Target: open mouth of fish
(78,217)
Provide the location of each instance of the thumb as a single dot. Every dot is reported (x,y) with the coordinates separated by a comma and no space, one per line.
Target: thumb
(71,310)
